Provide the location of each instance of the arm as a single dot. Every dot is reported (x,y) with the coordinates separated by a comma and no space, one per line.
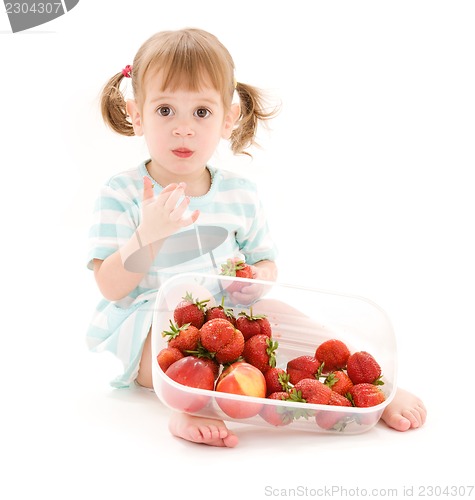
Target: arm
(256,243)
(122,271)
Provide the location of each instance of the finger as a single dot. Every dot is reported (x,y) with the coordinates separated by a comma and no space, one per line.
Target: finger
(147,188)
(241,298)
(244,292)
(190,219)
(173,198)
(194,216)
(179,210)
(247,294)
(170,187)
(165,193)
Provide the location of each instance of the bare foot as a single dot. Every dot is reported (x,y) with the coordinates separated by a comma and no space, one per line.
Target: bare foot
(202,430)
(404,412)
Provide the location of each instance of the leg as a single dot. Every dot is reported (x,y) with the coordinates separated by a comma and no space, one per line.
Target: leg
(404,412)
(189,427)
(144,377)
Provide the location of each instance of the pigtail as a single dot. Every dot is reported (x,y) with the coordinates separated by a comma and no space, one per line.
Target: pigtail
(113,107)
(253,111)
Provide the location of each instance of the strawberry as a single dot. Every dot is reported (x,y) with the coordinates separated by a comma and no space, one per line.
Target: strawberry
(327,419)
(167,356)
(338,400)
(277,415)
(283,415)
(190,311)
(277,380)
(313,391)
(221,338)
(259,351)
(365,395)
(303,367)
(185,338)
(236,267)
(363,368)
(253,324)
(220,311)
(339,382)
(333,354)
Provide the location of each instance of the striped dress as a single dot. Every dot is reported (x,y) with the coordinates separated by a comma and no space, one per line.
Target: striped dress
(232,223)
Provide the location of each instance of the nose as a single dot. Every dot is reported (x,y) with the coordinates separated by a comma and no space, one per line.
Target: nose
(183,129)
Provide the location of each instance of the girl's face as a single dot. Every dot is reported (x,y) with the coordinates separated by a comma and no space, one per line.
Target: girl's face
(182,129)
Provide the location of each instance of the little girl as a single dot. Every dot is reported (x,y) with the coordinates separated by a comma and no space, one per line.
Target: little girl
(183,87)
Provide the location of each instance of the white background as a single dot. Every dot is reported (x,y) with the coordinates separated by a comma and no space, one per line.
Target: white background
(367,176)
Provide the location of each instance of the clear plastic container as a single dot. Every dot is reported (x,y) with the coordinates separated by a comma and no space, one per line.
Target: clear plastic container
(301,319)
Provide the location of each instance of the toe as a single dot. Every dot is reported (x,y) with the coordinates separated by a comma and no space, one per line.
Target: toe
(231,440)
(398,422)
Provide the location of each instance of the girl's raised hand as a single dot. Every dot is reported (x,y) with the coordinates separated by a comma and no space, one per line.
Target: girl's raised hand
(165,214)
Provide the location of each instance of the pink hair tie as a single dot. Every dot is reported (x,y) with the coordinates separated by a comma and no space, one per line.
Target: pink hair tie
(127,71)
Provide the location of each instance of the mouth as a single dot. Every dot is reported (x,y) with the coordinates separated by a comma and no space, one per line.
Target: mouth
(182,152)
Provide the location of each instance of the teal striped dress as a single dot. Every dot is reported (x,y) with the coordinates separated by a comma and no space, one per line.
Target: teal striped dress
(232,223)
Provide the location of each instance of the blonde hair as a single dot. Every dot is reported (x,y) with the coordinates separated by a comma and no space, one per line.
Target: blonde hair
(186,59)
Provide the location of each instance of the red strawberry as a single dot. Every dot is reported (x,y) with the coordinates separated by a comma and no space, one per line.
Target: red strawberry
(303,367)
(259,351)
(220,337)
(220,312)
(238,268)
(185,337)
(327,419)
(167,356)
(253,324)
(339,382)
(363,368)
(313,391)
(190,311)
(333,353)
(277,415)
(338,400)
(277,380)
(366,395)
(283,415)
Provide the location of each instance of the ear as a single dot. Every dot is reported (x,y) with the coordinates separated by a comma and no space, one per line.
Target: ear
(135,117)
(230,119)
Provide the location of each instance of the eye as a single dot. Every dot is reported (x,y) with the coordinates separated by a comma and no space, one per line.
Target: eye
(202,113)
(165,111)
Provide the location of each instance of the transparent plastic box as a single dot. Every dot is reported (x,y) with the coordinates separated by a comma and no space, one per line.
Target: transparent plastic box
(301,319)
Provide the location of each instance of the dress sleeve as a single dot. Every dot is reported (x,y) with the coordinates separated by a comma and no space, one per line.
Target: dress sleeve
(115,219)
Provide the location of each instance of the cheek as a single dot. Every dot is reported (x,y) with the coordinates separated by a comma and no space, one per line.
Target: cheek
(153,132)
(212,135)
